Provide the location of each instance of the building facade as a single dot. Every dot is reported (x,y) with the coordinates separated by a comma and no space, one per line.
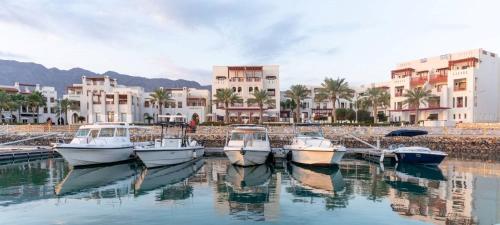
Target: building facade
(311,109)
(25,114)
(189,102)
(360,93)
(244,80)
(465,86)
(101,99)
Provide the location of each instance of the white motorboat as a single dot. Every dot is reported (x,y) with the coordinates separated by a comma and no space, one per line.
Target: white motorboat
(247,145)
(97,144)
(170,149)
(312,148)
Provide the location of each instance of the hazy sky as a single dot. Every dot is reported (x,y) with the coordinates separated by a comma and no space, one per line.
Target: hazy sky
(359,40)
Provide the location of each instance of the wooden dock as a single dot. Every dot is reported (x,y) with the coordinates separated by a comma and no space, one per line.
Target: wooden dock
(26,152)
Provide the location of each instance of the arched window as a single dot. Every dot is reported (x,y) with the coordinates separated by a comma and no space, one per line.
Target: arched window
(239,89)
(256,88)
(234,89)
(250,89)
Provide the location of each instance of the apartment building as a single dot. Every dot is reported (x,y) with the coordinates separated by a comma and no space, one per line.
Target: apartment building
(25,114)
(244,80)
(188,102)
(311,109)
(101,99)
(465,86)
(360,93)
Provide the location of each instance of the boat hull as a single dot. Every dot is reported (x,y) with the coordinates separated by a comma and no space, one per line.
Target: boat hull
(164,157)
(317,156)
(246,157)
(420,158)
(199,153)
(84,156)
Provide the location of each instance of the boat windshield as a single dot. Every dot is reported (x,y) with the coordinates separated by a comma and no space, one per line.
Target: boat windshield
(236,136)
(121,132)
(94,133)
(82,132)
(310,134)
(107,132)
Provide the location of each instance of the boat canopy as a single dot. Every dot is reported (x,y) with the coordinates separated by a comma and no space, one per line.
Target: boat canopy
(406,133)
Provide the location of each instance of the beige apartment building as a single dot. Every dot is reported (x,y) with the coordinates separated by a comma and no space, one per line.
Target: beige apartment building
(465,86)
(244,80)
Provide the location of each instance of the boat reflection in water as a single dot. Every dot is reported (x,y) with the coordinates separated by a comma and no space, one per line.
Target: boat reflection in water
(416,179)
(248,192)
(109,181)
(169,179)
(317,179)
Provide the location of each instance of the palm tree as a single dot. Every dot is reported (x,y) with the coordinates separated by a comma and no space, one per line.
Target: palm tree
(36,100)
(18,100)
(261,98)
(5,102)
(226,96)
(376,97)
(64,106)
(416,97)
(334,90)
(160,97)
(297,93)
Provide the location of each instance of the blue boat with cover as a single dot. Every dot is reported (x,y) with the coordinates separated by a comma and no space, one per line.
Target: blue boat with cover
(415,154)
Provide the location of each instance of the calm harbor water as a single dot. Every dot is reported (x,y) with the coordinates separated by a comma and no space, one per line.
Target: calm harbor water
(210,191)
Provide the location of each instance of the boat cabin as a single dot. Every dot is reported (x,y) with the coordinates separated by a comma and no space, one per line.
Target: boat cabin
(102,133)
(248,137)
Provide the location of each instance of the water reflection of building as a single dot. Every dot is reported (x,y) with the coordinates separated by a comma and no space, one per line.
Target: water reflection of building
(29,181)
(257,201)
(468,195)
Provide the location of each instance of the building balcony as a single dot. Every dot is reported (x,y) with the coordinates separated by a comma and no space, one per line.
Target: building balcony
(416,81)
(253,79)
(237,79)
(434,79)
(459,88)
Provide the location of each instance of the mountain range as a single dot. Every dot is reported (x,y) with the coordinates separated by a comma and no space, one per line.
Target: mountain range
(27,72)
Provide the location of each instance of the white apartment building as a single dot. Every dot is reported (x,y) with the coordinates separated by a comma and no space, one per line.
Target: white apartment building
(244,80)
(101,99)
(466,86)
(360,92)
(312,109)
(188,102)
(25,114)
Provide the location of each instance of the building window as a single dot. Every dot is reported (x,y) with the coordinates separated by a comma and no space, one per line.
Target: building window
(146,104)
(271,92)
(256,89)
(465,115)
(454,117)
(45,110)
(111,116)
(234,89)
(122,99)
(52,99)
(52,110)
(250,89)
(460,102)
(179,104)
(110,99)
(453,102)
(465,101)
(239,89)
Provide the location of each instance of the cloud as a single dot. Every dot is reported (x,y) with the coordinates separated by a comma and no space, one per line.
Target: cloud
(10,55)
(210,14)
(274,40)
